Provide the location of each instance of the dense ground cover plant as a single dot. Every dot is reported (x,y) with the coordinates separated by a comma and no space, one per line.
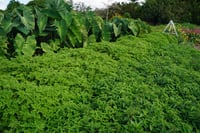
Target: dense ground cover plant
(146,84)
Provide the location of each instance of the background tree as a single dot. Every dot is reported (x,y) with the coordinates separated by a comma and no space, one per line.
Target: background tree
(157,11)
(195,10)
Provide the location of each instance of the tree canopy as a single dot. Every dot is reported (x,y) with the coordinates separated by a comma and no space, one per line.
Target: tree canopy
(160,11)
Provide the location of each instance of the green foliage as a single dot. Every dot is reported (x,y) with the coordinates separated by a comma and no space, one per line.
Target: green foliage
(25,20)
(41,20)
(3,46)
(107,30)
(94,25)
(55,20)
(52,47)
(25,47)
(6,24)
(156,11)
(137,84)
(124,26)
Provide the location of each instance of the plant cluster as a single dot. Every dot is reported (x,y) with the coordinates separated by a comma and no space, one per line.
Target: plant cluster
(30,30)
(136,84)
(192,35)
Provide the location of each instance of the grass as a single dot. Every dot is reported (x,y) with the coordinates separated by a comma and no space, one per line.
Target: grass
(145,84)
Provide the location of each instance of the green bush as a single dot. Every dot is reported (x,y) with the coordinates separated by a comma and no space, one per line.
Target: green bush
(146,84)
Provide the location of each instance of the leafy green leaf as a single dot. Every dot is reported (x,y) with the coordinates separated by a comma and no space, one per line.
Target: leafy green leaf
(134,28)
(117,30)
(61,29)
(29,46)
(6,25)
(19,43)
(46,48)
(41,20)
(106,32)
(27,17)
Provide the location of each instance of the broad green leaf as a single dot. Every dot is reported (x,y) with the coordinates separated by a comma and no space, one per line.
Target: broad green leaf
(84,37)
(134,28)
(106,32)
(71,38)
(18,44)
(27,17)
(41,20)
(46,48)
(55,45)
(96,29)
(29,46)
(61,29)
(100,22)
(76,28)
(52,13)
(23,29)
(67,17)
(6,25)
(115,29)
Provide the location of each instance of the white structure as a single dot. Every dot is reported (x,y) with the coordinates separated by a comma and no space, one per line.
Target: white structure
(170,28)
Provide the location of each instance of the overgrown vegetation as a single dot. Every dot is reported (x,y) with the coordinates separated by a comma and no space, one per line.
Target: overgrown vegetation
(124,80)
(137,84)
(30,29)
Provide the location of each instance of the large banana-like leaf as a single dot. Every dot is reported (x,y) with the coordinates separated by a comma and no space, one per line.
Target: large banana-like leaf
(52,13)
(6,25)
(29,46)
(55,7)
(117,29)
(97,25)
(76,28)
(18,44)
(26,17)
(58,5)
(77,33)
(53,46)
(67,16)
(41,20)
(24,47)
(71,38)
(134,28)
(89,16)
(61,29)
(46,47)
(99,21)
(23,29)
(106,32)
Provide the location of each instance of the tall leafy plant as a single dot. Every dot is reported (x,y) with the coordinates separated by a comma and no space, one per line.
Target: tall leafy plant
(27,29)
(94,25)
